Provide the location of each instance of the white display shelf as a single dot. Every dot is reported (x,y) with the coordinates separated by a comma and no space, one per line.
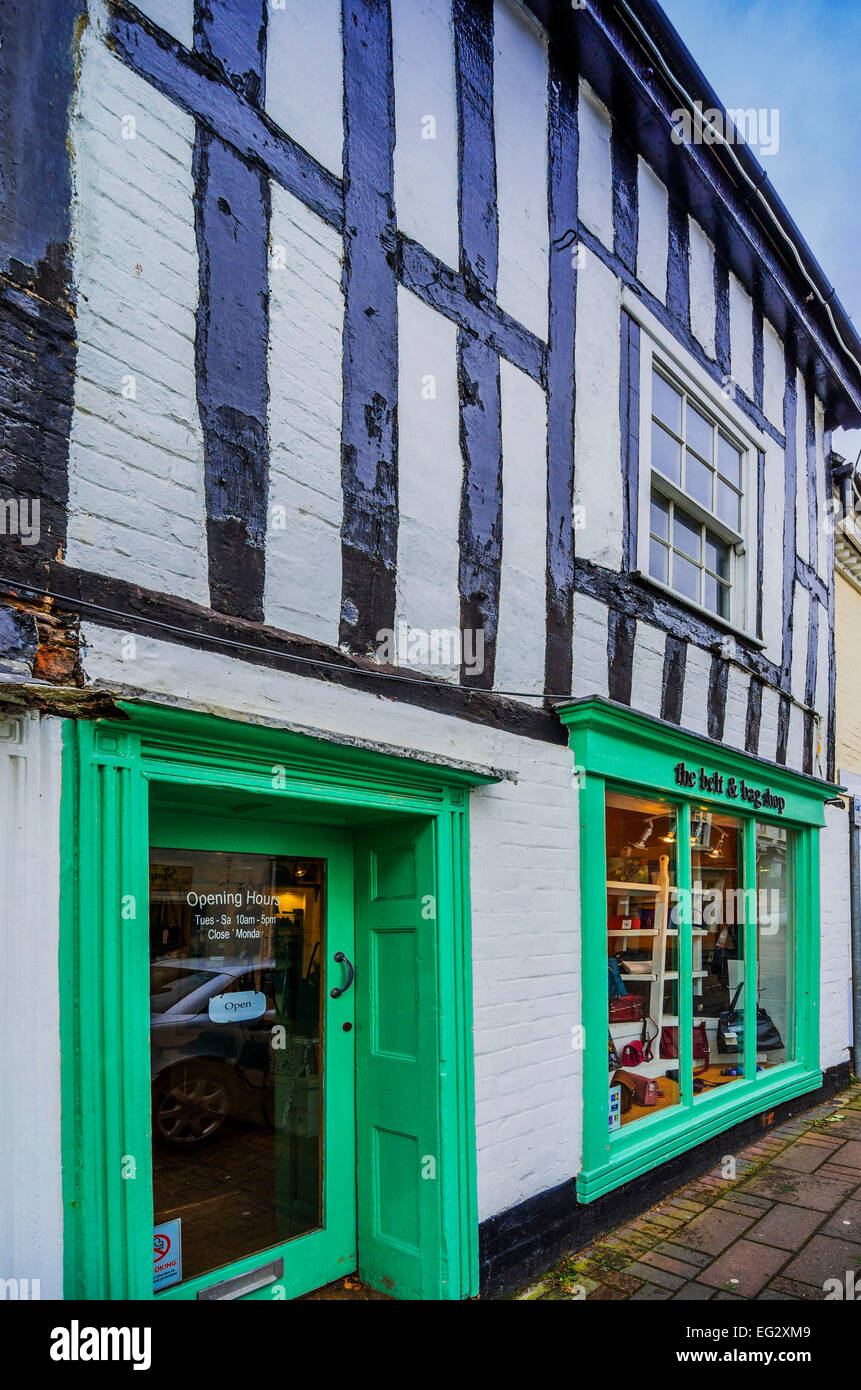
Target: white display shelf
(613,887)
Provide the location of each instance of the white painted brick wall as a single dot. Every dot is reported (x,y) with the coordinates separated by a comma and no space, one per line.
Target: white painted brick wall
(835,953)
(302,590)
(520,126)
(31,1214)
(136,508)
(594,174)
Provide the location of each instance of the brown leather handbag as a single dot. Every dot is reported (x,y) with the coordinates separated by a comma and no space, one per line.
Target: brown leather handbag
(643,1089)
(626,1008)
(669,1046)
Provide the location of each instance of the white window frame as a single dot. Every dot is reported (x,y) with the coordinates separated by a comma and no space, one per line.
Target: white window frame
(659,349)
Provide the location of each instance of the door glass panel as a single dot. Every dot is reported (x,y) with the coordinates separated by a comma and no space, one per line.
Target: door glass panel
(775,945)
(642,957)
(236,951)
(718,912)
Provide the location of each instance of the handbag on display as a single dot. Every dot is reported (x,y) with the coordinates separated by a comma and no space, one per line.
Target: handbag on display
(612,1054)
(669,1045)
(635,1053)
(626,1008)
(615,984)
(642,1089)
(730,1029)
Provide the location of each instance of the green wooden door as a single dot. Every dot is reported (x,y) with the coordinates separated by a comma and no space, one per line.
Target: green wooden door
(397,1057)
(253,1117)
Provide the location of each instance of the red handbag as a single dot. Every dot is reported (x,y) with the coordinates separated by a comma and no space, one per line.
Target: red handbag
(635,1053)
(670,1044)
(626,1008)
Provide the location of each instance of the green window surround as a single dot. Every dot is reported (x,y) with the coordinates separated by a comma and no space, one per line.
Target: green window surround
(620,751)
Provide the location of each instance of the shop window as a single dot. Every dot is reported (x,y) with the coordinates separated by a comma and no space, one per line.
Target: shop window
(684,925)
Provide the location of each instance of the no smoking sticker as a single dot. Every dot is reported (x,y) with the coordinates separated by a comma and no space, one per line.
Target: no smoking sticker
(167,1255)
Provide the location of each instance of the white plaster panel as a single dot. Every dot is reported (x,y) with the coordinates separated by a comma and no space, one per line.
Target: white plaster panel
(768,723)
(824,557)
(653,236)
(802,516)
(304,77)
(594,175)
(597,432)
(741,335)
(136,505)
(31,1215)
(648,669)
(795,739)
(773,375)
(176,17)
(702,287)
(520,127)
(302,591)
(525,983)
(522,593)
(589,676)
(430,471)
(735,719)
(801,601)
(695,712)
(771,521)
(426,194)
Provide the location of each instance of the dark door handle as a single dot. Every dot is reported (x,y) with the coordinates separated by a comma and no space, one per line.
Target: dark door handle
(351,975)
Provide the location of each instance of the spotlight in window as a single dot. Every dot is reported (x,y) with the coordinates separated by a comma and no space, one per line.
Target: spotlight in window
(648,826)
(718,849)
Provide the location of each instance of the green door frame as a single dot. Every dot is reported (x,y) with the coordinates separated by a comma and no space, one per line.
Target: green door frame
(108,766)
(617,746)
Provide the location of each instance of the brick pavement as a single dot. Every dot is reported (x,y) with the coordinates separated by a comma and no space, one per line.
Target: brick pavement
(787,1218)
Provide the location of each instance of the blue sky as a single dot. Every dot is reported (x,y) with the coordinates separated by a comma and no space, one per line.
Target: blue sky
(802,57)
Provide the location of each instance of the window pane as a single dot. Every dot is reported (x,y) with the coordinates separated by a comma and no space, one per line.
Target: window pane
(666,403)
(728,505)
(686,577)
(658,558)
(659,519)
(687,536)
(699,434)
(718,912)
(716,596)
(729,461)
(698,480)
(666,454)
(717,556)
(642,953)
(775,945)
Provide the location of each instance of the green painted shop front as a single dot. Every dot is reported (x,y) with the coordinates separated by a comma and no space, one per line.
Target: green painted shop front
(263,1098)
(684,809)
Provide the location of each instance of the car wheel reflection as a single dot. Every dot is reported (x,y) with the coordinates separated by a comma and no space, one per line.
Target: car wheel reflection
(190,1107)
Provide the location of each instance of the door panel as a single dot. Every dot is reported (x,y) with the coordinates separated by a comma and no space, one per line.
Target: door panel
(397,1061)
(253,1073)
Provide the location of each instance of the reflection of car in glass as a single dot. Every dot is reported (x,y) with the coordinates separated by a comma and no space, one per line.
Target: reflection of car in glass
(204,1071)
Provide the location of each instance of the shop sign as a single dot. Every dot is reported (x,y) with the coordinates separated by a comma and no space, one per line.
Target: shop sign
(735,788)
(241,1006)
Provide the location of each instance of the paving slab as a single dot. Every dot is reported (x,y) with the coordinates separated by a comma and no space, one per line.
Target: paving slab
(694,1293)
(845,1223)
(713,1231)
(802,1157)
(751,1265)
(825,1257)
(785,1226)
(799,1189)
